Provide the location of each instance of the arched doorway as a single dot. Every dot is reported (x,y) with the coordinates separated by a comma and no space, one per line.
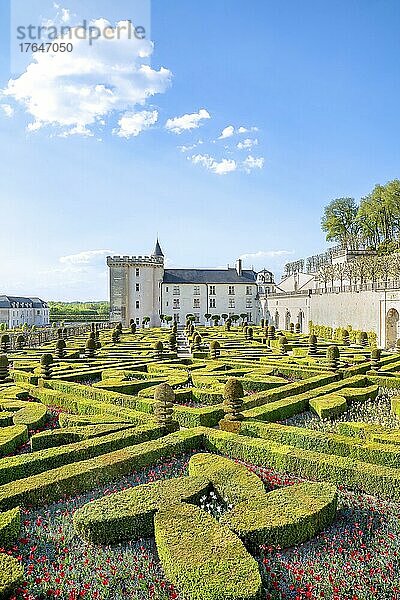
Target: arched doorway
(287,320)
(392,319)
(276,320)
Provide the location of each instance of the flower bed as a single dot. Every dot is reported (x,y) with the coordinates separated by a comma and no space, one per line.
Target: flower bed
(354,559)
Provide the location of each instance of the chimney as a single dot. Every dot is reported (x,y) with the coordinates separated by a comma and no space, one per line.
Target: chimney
(239,266)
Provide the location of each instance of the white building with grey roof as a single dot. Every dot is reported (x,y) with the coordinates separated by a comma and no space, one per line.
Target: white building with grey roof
(141,287)
(17,310)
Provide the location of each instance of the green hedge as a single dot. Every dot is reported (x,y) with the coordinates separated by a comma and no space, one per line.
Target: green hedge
(11,575)
(84,475)
(328,406)
(371,478)
(26,465)
(12,437)
(327,443)
(291,405)
(10,525)
(284,517)
(74,404)
(130,514)
(68,420)
(205,560)
(33,415)
(69,435)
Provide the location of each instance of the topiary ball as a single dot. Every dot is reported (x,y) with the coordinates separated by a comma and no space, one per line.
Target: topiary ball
(46,359)
(233,389)
(164,393)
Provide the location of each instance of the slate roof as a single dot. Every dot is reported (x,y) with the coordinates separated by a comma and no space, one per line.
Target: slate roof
(157,249)
(208,276)
(21,302)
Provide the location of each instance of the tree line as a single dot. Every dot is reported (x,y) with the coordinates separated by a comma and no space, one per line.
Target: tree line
(371,224)
(74,309)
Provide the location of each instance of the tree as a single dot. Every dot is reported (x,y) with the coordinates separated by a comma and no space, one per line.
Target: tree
(216,319)
(207,317)
(340,223)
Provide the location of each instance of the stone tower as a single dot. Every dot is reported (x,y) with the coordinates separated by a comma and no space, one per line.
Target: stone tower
(135,287)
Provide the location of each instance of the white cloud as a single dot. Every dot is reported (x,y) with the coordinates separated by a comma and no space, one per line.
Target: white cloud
(74,91)
(251,163)
(65,15)
(85,258)
(131,124)
(190,147)
(227,132)
(247,144)
(7,109)
(261,254)
(230,130)
(187,122)
(242,129)
(221,167)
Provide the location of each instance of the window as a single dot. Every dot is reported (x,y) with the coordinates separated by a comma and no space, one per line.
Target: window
(196,302)
(176,303)
(231,290)
(249,303)
(166,289)
(137,272)
(196,317)
(176,290)
(231,303)
(248,317)
(212,290)
(137,287)
(176,318)
(196,290)
(212,302)
(137,304)
(249,290)
(137,321)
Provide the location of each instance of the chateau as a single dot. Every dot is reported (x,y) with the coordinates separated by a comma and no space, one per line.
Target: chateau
(141,287)
(15,311)
(339,288)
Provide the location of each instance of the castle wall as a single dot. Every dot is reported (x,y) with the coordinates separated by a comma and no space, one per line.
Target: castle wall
(376,311)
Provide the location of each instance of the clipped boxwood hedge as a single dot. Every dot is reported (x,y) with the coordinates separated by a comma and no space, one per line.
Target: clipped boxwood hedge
(26,465)
(205,560)
(69,435)
(10,525)
(329,406)
(284,517)
(84,475)
(11,575)
(12,437)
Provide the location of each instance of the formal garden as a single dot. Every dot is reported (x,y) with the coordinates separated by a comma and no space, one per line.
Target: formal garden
(260,464)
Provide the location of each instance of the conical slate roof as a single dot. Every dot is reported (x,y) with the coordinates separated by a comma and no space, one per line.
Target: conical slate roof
(157,249)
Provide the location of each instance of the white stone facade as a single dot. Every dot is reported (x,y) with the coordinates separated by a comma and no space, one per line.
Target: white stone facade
(141,287)
(15,311)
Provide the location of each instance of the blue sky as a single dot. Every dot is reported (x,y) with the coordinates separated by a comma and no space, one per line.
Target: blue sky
(309,91)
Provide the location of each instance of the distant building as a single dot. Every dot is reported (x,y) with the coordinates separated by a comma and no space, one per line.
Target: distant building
(16,310)
(141,287)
